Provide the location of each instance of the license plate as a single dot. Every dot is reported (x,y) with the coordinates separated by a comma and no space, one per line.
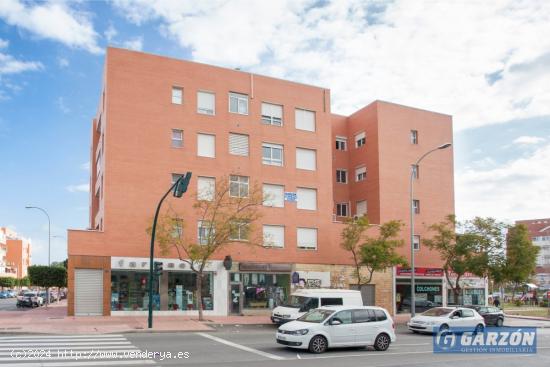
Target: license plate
(281,338)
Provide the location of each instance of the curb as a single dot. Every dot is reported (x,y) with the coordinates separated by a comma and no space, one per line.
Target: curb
(533,318)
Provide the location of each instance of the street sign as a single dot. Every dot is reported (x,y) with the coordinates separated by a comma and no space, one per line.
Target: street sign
(290,196)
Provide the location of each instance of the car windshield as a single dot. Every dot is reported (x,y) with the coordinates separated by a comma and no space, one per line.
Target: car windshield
(29,295)
(296,301)
(437,312)
(316,316)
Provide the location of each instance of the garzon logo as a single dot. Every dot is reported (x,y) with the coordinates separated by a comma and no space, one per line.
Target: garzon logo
(490,340)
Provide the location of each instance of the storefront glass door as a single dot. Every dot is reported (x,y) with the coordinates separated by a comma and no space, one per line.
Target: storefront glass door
(235,300)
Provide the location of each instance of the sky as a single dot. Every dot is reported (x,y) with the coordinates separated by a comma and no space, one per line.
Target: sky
(485,63)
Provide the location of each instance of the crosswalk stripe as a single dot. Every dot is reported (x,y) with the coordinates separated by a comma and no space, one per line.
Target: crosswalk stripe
(82,347)
(66,353)
(82,363)
(102,336)
(68,344)
(2,342)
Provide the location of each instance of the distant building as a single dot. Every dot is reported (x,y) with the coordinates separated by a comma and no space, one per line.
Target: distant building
(539,230)
(15,254)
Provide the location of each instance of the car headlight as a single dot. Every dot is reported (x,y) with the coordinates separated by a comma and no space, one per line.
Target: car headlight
(300,332)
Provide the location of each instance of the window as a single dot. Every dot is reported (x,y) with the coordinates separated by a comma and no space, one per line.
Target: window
(239,231)
(360,140)
(272,114)
(360,174)
(177,138)
(415,171)
(306,159)
(361,208)
(206,103)
(206,188)
(380,315)
(206,145)
(307,198)
(274,236)
(416,206)
(238,103)
(238,186)
(331,301)
(305,120)
(416,242)
(177,95)
(342,209)
(205,230)
(341,143)
(414,136)
(238,144)
(467,313)
(307,238)
(274,195)
(343,316)
(272,154)
(177,228)
(341,176)
(361,316)
(175,177)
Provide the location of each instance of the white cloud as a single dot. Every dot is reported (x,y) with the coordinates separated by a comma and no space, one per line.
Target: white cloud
(62,62)
(110,33)
(134,44)
(60,102)
(53,20)
(79,188)
(10,65)
(4,43)
(467,59)
(528,140)
(85,166)
(514,190)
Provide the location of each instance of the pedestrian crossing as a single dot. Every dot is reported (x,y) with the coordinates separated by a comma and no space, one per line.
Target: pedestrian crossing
(71,350)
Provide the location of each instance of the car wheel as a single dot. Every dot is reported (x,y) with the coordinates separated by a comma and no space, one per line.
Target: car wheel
(500,322)
(479,328)
(318,344)
(382,342)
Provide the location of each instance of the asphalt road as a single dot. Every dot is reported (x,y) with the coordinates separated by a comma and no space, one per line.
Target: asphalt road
(244,346)
(8,304)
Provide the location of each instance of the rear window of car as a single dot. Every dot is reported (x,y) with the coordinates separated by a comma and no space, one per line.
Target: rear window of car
(360,316)
(467,313)
(380,315)
(29,295)
(331,302)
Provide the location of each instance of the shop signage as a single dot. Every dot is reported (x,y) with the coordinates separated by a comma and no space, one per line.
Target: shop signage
(291,196)
(422,272)
(421,288)
(265,267)
(295,278)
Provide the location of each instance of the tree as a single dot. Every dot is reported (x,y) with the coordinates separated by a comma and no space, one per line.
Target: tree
(373,253)
(47,276)
(226,214)
(23,282)
(521,255)
(379,253)
(7,282)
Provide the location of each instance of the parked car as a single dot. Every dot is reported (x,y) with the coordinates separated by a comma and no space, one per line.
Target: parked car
(44,296)
(29,299)
(339,326)
(4,294)
(442,318)
(305,300)
(12,293)
(491,315)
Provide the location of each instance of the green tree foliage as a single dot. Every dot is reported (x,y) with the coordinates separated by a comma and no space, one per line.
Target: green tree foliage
(521,255)
(47,276)
(371,253)
(7,282)
(23,282)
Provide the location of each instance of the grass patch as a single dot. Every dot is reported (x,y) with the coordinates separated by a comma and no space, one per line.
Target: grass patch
(542,312)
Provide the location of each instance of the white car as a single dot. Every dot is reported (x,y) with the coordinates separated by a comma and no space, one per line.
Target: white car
(339,326)
(442,318)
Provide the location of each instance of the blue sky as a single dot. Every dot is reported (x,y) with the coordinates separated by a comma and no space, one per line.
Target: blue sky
(484,63)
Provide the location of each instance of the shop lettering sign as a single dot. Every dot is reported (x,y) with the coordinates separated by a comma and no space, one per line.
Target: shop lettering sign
(425,272)
(427,288)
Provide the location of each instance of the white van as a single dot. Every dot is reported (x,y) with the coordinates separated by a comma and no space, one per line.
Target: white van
(300,302)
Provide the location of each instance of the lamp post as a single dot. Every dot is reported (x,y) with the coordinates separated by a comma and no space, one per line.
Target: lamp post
(49,227)
(411,202)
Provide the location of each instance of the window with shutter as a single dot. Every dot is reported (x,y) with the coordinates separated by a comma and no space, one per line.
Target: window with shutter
(206,103)
(206,145)
(206,188)
(177,95)
(272,114)
(307,198)
(274,195)
(306,159)
(307,238)
(361,208)
(360,140)
(305,120)
(177,138)
(273,236)
(360,173)
(341,143)
(238,144)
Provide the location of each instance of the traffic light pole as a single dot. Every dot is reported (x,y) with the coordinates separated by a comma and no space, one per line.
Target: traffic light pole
(184,179)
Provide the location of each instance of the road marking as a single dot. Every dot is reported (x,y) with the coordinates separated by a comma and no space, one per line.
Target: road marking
(75,348)
(103,336)
(68,344)
(60,340)
(242,347)
(410,345)
(82,363)
(82,355)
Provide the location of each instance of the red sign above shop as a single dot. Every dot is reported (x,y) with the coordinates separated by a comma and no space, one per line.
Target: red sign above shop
(420,272)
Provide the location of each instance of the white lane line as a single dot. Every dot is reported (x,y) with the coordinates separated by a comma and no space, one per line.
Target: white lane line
(82,363)
(71,348)
(30,345)
(410,345)
(2,342)
(367,354)
(106,336)
(241,347)
(82,354)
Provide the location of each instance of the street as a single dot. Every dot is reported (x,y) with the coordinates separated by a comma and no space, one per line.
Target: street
(240,346)
(9,304)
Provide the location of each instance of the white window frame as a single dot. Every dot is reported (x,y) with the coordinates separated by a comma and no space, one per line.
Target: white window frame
(198,145)
(415,171)
(270,202)
(239,97)
(270,161)
(204,227)
(268,242)
(339,207)
(177,142)
(414,137)
(300,204)
(416,206)
(301,127)
(175,98)
(240,227)
(175,177)
(343,143)
(271,119)
(339,176)
(241,182)
(302,247)
(416,242)
(204,110)
(206,195)
(238,150)
(308,151)
(360,140)
(360,174)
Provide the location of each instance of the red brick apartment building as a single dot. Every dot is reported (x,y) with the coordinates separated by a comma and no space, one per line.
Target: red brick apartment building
(539,230)
(159,116)
(15,254)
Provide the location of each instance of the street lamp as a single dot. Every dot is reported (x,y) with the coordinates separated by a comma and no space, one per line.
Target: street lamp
(49,227)
(411,201)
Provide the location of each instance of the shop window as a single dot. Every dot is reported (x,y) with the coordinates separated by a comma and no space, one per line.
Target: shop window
(182,291)
(265,290)
(129,291)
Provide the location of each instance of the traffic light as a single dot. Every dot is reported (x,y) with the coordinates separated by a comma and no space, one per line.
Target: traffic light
(158,268)
(181,185)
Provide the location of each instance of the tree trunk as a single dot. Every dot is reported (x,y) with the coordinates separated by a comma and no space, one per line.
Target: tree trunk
(199,295)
